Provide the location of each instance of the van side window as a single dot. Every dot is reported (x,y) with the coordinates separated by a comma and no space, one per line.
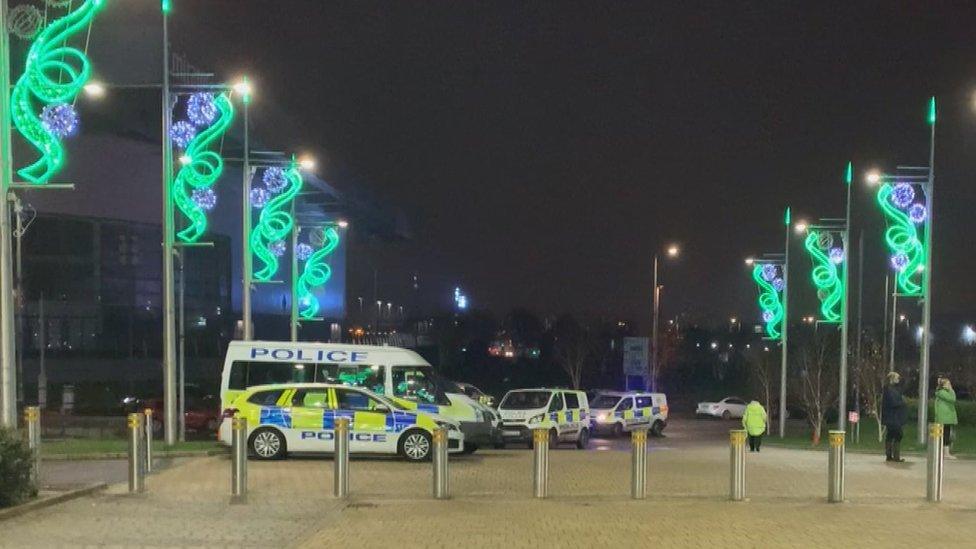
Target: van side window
(245,374)
(237,380)
(361,375)
(572,401)
(265,398)
(414,383)
(644,402)
(557,403)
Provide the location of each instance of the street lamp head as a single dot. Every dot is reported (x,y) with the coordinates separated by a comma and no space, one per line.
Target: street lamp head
(343,224)
(95,89)
(873,177)
(244,89)
(307,163)
(800,227)
(733,320)
(185,159)
(750,261)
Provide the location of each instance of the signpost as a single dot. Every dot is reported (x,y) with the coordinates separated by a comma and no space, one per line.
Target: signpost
(635,362)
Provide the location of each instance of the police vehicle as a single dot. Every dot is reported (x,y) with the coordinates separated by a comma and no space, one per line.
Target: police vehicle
(564,412)
(301,417)
(399,375)
(614,412)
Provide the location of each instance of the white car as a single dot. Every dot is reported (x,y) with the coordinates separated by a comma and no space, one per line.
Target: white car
(727,408)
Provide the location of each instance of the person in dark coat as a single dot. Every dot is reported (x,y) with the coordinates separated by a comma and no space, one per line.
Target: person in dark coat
(894,415)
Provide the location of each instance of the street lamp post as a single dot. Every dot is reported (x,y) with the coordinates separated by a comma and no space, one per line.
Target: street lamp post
(248,266)
(672,251)
(786,328)
(169,307)
(8,372)
(923,382)
(844,320)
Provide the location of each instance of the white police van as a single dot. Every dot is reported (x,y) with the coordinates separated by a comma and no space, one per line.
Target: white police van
(398,374)
(614,412)
(564,412)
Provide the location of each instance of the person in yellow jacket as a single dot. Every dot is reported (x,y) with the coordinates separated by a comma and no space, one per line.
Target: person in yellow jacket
(754,422)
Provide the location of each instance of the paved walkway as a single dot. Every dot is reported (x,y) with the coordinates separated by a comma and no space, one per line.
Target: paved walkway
(289,504)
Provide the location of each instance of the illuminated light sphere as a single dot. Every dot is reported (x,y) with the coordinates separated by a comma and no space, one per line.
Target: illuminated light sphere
(60,119)
(836,255)
(25,21)
(303,251)
(917,213)
(769,272)
(767,316)
(201,109)
(205,198)
(779,284)
(899,261)
(182,133)
(278,247)
(903,195)
(259,197)
(274,179)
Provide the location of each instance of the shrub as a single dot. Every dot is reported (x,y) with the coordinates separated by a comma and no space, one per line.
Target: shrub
(15,469)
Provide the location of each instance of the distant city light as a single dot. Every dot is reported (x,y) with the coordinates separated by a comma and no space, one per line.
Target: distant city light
(968,335)
(460,300)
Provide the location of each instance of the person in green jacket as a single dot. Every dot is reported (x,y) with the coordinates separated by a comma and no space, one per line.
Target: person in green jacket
(754,422)
(945,411)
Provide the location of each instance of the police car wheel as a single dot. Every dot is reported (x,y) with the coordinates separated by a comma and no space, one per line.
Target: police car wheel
(267,444)
(584,439)
(657,429)
(415,446)
(618,430)
(553,439)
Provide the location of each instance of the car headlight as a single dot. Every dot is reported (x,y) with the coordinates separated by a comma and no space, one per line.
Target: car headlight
(536,419)
(602,418)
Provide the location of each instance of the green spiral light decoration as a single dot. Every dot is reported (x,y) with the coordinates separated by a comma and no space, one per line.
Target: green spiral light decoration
(830,289)
(274,224)
(770,302)
(905,244)
(315,274)
(54,74)
(202,169)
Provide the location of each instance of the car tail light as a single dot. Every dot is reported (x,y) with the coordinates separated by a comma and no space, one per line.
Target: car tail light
(228,413)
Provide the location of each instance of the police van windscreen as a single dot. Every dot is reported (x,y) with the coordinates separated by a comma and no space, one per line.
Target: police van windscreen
(525,400)
(605,401)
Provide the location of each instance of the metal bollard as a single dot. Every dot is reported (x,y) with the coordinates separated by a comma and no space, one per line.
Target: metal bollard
(238,468)
(32,420)
(149,439)
(137,472)
(835,466)
(936,461)
(341,476)
(442,488)
(540,455)
(638,464)
(737,465)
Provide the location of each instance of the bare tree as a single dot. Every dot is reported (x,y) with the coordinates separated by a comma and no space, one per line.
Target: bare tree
(871,380)
(762,372)
(818,381)
(573,349)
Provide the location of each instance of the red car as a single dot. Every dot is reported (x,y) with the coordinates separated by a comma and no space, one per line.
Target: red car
(201,414)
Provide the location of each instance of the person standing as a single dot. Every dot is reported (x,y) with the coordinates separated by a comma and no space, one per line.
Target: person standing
(894,414)
(945,412)
(754,422)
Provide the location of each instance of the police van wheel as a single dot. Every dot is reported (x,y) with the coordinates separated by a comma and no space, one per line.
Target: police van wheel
(415,446)
(267,443)
(657,429)
(584,439)
(618,430)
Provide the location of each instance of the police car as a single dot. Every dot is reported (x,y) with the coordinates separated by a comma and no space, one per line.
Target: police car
(301,417)
(616,412)
(564,412)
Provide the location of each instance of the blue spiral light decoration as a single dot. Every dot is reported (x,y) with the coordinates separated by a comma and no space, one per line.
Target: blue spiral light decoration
(274,224)
(826,278)
(315,273)
(770,298)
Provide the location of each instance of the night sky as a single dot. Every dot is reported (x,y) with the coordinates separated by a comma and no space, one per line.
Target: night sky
(544,151)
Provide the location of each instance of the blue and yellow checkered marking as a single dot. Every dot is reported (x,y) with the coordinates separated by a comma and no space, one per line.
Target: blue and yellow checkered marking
(273,415)
(329,417)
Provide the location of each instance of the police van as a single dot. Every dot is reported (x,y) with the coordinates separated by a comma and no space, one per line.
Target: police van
(614,412)
(565,413)
(399,375)
(301,417)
